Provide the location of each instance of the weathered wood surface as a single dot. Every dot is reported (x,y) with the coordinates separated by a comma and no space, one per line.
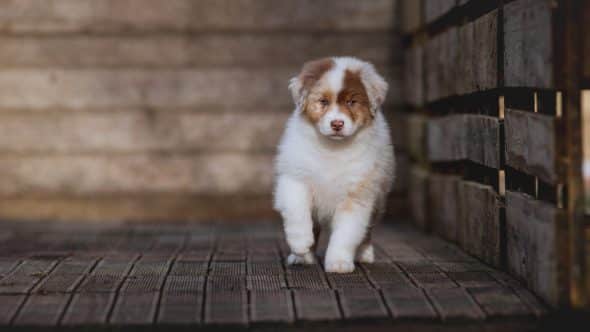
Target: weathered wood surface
(414,75)
(189,275)
(462,59)
(35,16)
(417,136)
(479,223)
(134,131)
(434,9)
(411,17)
(198,50)
(418,196)
(485,51)
(528,54)
(532,238)
(444,202)
(586,49)
(205,174)
(440,65)
(531,143)
(464,137)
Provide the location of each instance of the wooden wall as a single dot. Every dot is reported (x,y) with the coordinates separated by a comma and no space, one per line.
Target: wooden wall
(149,109)
(483,88)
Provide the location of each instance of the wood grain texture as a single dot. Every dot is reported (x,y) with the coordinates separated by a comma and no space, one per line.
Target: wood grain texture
(271,306)
(411,17)
(417,130)
(132,131)
(413,75)
(485,51)
(157,50)
(135,308)
(444,199)
(528,59)
(417,280)
(531,144)
(206,174)
(136,207)
(462,60)
(532,241)
(454,303)
(35,16)
(479,230)
(316,305)
(465,136)
(88,309)
(434,9)
(418,196)
(42,310)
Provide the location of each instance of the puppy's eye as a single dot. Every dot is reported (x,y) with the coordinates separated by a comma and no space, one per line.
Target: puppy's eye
(351,102)
(324,102)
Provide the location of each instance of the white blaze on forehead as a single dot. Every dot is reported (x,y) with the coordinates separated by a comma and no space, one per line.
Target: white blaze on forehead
(334,78)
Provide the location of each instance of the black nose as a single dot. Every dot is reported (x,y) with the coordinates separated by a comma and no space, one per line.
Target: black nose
(337,125)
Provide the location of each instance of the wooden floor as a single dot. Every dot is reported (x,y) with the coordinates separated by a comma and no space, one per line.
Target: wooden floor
(158,276)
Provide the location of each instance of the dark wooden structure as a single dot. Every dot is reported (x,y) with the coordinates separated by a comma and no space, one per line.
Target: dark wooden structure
(494,90)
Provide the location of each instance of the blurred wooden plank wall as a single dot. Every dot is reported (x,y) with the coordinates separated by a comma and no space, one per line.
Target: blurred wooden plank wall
(167,110)
(484,90)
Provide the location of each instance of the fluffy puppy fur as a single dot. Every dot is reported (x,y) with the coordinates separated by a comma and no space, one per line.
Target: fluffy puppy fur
(335,162)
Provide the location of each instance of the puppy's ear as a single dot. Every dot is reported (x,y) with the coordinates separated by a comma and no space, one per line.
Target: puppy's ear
(375,85)
(311,72)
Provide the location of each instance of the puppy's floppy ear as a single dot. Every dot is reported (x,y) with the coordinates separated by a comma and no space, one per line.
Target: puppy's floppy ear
(311,72)
(375,85)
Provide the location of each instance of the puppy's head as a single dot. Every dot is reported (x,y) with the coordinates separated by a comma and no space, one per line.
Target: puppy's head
(339,96)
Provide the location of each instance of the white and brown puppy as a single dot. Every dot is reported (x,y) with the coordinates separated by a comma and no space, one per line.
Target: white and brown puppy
(335,162)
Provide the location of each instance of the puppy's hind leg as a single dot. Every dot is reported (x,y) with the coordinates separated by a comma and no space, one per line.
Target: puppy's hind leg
(293,201)
(366,251)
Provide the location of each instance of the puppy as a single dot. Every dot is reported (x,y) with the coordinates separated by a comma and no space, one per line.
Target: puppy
(335,162)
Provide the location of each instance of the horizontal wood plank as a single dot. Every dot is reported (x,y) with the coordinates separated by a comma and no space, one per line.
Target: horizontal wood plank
(134,308)
(140,131)
(271,306)
(528,59)
(182,50)
(479,230)
(532,240)
(411,17)
(316,305)
(408,302)
(434,9)
(42,309)
(466,136)
(455,303)
(418,196)
(88,309)
(136,207)
(181,308)
(444,199)
(210,174)
(413,75)
(35,16)
(531,144)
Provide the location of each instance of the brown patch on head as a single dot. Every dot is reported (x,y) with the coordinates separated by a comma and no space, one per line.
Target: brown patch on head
(353,100)
(312,71)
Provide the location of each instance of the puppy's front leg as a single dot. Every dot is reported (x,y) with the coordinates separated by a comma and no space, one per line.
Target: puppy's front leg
(293,201)
(349,228)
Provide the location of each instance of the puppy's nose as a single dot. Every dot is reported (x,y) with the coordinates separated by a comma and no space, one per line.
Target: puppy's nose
(337,125)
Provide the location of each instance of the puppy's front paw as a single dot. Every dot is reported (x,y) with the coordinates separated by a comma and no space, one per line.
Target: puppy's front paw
(339,266)
(307,258)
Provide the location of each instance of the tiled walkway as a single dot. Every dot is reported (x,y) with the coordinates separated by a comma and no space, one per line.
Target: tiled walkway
(186,275)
